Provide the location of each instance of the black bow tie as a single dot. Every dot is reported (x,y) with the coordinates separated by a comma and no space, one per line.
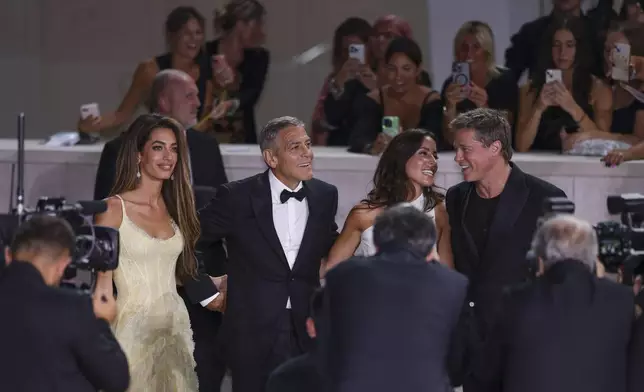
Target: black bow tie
(286,194)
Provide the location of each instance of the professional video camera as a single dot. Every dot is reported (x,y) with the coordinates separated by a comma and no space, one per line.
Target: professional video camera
(621,245)
(97,247)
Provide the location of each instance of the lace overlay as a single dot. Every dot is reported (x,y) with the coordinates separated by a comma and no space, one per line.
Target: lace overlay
(152,324)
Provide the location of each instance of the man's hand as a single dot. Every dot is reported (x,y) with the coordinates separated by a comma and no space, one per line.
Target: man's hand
(104,306)
(221,282)
(218,304)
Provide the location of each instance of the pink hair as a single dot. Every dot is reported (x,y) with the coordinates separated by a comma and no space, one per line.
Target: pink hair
(401,25)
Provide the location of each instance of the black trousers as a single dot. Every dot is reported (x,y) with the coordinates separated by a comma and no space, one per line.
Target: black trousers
(211,367)
(286,346)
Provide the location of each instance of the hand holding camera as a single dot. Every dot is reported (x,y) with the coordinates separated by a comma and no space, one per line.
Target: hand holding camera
(104,306)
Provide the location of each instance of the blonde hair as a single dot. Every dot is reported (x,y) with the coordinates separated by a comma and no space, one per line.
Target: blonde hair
(485,37)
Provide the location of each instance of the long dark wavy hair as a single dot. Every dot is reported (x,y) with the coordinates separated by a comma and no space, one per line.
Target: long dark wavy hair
(390,182)
(584,60)
(177,193)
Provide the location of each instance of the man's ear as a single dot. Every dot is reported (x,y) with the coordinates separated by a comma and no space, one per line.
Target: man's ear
(541,268)
(310,328)
(270,158)
(433,255)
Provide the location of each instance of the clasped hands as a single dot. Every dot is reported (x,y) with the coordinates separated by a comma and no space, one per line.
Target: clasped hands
(219,303)
(556,94)
(456,93)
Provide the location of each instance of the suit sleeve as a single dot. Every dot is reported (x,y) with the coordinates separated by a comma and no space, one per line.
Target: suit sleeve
(636,357)
(106,172)
(219,176)
(519,54)
(99,355)
(460,341)
(254,78)
(217,217)
(333,235)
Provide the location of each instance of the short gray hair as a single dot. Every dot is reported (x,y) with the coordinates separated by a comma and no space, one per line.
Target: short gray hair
(564,237)
(272,128)
(160,83)
(489,126)
(404,226)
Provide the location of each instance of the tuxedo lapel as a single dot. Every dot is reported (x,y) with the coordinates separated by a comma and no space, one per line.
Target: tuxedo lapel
(513,198)
(263,208)
(469,240)
(309,236)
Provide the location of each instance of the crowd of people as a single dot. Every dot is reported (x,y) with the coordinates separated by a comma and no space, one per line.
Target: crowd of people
(422,289)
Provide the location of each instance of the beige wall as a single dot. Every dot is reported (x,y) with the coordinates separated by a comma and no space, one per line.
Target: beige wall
(59,54)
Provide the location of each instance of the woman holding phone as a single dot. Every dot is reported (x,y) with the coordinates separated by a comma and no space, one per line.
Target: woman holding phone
(563,95)
(402,100)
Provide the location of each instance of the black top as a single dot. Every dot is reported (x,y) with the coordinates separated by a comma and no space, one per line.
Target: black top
(624,118)
(553,119)
(164,61)
(369,115)
(502,94)
(340,112)
(478,218)
(252,70)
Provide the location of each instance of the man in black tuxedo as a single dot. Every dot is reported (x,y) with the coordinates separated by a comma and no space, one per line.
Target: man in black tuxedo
(302,373)
(390,317)
(53,339)
(278,226)
(492,214)
(569,330)
(174,94)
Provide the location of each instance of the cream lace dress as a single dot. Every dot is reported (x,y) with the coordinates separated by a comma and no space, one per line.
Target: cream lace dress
(152,324)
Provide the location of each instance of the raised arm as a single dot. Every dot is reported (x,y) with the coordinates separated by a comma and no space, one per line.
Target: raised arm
(530,112)
(136,94)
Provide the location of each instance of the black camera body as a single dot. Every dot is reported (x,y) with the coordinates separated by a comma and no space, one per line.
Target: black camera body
(97,247)
(620,244)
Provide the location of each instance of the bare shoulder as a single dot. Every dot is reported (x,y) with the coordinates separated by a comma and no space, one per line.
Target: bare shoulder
(428,94)
(362,216)
(113,215)
(146,70)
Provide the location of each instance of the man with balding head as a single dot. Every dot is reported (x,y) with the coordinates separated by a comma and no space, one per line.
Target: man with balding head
(568,330)
(174,94)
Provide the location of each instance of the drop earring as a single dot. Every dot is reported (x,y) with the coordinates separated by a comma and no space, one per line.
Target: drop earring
(138,170)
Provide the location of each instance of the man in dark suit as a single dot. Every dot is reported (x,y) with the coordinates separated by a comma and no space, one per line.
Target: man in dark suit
(174,94)
(569,330)
(391,316)
(278,226)
(53,339)
(493,215)
(302,373)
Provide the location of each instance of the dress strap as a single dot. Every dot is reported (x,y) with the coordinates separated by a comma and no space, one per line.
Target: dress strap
(122,205)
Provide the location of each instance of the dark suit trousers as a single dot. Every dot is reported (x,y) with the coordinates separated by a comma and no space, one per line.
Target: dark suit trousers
(205,323)
(254,375)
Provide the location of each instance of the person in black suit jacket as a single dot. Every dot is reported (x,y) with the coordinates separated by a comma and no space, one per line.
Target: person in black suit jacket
(174,94)
(302,373)
(569,330)
(390,316)
(492,215)
(53,339)
(278,225)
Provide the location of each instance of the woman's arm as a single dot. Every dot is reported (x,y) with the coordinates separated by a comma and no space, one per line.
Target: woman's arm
(602,105)
(530,112)
(349,239)
(444,236)
(136,94)
(112,217)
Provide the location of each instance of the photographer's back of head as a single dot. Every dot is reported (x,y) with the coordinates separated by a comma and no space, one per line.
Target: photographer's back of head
(405,227)
(47,243)
(564,238)
(53,338)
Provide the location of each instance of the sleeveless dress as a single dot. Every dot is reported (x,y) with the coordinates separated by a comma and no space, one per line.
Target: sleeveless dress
(367,247)
(152,323)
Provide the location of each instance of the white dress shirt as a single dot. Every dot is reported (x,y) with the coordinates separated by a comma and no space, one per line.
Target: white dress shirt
(289,220)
